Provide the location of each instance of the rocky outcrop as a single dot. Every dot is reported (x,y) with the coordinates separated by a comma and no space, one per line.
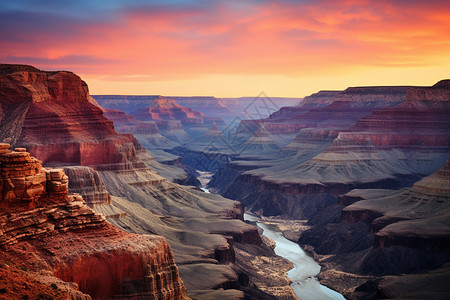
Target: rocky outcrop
(168,109)
(42,227)
(165,112)
(24,183)
(43,112)
(209,106)
(86,182)
(421,121)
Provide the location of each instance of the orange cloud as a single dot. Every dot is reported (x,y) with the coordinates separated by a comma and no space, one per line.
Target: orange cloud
(269,38)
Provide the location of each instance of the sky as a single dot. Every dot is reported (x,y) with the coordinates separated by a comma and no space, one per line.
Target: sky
(230,48)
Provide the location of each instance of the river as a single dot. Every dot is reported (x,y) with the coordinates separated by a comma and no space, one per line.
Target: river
(303,275)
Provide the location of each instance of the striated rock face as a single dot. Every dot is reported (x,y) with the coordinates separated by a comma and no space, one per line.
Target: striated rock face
(25,184)
(421,121)
(329,109)
(42,227)
(36,201)
(146,271)
(218,108)
(165,112)
(43,112)
(369,137)
(403,217)
(438,92)
(86,182)
(209,106)
(128,124)
(168,109)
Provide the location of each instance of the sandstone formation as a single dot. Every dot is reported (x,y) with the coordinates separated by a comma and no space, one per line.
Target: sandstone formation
(215,109)
(86,182)
(165,112)
(149,135)
(329,109)
(42,111)
(43,228)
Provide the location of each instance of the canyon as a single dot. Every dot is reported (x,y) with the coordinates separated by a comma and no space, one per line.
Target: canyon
(312,161)
(359,178)
(201,236)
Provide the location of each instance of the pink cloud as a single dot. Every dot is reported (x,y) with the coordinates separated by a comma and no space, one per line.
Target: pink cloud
(269,38)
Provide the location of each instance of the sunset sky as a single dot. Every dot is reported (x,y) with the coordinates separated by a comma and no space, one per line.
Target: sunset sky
(230,48)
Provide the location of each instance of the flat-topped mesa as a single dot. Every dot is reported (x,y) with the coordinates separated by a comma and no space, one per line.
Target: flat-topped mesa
(168,109)
(50,114)
(329,109)
(440,92)
(376,96)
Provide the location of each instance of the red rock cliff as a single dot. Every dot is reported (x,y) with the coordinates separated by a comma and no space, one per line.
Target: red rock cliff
(50,114)
(42,227)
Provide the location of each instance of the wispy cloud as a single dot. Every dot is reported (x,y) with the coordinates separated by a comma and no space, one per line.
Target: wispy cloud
(187,39)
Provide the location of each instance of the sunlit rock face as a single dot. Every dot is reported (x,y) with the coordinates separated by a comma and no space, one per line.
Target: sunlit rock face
(49,113)
(44,228)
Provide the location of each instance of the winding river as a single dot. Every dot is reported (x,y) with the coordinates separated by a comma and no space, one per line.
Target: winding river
(303,275)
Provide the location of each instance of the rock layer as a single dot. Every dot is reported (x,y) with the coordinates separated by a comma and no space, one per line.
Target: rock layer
(370,137)
(386,232)
(42,111)
(42,227)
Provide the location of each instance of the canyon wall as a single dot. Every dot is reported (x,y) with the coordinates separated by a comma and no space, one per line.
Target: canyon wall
(42,111)
(44,228)
(380,137)
(386,232)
